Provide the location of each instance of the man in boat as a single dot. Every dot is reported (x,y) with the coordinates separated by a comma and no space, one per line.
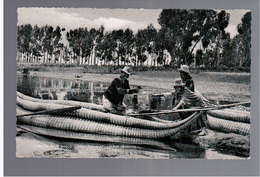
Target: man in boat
(188,99)
(114,95)
(186,77)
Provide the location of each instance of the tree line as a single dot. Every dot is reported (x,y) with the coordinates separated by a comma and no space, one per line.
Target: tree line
(181,32)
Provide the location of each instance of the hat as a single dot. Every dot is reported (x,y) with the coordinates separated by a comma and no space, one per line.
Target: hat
(126,70)
(178,83)
(185,68)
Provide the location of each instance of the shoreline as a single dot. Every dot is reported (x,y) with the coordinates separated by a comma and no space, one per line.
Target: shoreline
(211,89)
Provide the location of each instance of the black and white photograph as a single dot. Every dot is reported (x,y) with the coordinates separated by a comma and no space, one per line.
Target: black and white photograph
(133,83)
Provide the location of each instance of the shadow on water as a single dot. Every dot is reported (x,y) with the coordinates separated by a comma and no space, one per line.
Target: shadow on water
(104,146)
(162,149)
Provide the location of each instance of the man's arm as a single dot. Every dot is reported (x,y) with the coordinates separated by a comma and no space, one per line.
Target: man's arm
(178,105)
(134,90)
(121,90)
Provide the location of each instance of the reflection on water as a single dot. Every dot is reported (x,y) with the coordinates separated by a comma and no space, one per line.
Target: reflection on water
(87,91)
(27,84)
(79,90)
(61,89)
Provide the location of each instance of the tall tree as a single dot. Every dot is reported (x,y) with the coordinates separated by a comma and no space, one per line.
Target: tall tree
(127,43)
(170,21)
(221,23)
(73,39)
(24,38)
(141,46)
(93,38)
(106,47)
(57,44)
(228,52)
(182,28)
(48,42)
(36,42)
(82,43)
(20,40)
(119,50)
(160,44)
(244,30)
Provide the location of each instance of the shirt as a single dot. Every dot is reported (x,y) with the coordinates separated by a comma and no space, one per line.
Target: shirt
(116,91)
(190,98)
(190,84)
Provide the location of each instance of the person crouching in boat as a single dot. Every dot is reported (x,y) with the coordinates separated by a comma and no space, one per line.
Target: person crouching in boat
(114,95)
(185,99)
(186,77)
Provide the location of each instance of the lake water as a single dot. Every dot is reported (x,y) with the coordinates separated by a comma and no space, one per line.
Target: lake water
(32,145)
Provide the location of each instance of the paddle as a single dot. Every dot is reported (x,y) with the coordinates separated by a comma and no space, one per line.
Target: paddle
(52,111)
(191,109)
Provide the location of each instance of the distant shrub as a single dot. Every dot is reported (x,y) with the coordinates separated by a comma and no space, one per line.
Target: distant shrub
(114,69)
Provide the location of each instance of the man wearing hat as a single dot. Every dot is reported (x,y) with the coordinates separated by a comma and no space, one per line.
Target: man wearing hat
(187,99)
(186,78)
(114,95)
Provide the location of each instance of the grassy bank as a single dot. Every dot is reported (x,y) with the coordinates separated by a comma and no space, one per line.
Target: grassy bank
(114,68)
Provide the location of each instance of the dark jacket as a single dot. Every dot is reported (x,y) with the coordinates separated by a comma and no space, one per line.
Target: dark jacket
(116,91)
(190,84)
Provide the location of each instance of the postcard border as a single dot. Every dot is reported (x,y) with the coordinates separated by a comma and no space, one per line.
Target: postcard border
(128,167)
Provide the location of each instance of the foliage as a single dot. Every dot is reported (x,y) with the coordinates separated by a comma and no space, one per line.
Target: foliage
(244,30)
(24,39)
(181,32)
(184,29)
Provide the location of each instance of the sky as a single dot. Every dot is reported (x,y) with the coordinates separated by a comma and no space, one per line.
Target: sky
(73,18)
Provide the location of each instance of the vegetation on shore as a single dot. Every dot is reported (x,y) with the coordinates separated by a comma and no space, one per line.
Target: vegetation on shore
(175,43)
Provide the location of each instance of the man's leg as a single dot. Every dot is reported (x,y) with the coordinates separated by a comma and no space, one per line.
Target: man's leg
(107,104)
(112,108)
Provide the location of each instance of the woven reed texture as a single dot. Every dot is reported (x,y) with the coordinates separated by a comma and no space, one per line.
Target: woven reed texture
(83,125)
(95,137)
(239,116)
(102,117)
(64,102)
(228,126)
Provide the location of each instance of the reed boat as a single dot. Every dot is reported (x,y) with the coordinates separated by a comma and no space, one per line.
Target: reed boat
(93,119)
(83,136)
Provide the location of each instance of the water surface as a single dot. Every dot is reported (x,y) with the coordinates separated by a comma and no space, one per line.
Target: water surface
(32,145)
